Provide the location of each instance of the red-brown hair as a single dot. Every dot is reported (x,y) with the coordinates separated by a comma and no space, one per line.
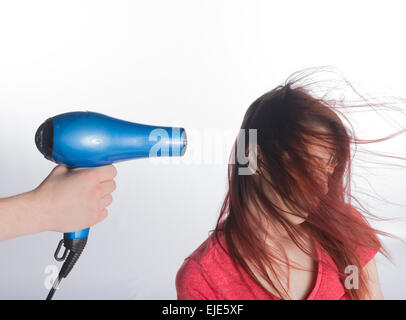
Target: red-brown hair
(288,119)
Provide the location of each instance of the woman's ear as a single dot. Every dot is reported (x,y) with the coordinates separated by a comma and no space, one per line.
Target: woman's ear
(257,161)
(253,160)
(285,155)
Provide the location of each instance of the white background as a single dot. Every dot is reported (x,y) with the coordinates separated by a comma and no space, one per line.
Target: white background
(195,64)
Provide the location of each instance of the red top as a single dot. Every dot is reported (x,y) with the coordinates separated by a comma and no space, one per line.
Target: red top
(209,274)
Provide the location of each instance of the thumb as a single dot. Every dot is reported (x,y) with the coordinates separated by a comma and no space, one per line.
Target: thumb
(60,169)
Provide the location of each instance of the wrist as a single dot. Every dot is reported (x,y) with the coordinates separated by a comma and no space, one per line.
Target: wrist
(35,211)
(19,216)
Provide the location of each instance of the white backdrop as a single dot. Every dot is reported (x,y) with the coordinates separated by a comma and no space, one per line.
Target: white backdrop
(195,64)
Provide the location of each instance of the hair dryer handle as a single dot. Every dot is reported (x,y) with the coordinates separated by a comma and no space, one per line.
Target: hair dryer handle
(77,234)
(74,243)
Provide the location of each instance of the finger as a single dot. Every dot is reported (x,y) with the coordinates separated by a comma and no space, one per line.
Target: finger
(78,169)
(103,214)
(107,187)
(106,201)
(61,169)
(105,172)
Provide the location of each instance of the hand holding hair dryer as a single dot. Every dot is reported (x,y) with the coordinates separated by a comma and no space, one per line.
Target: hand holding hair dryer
(90,139)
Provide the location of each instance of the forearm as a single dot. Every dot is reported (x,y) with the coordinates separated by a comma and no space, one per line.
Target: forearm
(19,215)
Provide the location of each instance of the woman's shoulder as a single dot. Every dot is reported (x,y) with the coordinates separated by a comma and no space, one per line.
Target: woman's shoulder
(197,275)
(208,252)
(365,254)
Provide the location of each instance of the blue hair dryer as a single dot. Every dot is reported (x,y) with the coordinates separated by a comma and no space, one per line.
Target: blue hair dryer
(90,139)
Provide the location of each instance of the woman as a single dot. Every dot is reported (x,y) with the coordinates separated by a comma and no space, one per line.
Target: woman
(288,231)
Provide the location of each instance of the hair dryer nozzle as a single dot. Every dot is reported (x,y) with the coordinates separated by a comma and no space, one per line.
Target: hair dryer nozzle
(44,138)
(184,141)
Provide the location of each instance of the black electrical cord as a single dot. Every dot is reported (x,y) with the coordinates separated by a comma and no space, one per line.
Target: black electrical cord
(75,248)
(53,289)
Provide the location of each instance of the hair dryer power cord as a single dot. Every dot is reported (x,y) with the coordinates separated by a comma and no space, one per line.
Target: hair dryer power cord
(75,248)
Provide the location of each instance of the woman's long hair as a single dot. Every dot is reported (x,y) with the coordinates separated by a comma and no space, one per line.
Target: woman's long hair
(288,119)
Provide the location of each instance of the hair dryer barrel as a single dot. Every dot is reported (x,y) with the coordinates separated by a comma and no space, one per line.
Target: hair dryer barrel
(90,139)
